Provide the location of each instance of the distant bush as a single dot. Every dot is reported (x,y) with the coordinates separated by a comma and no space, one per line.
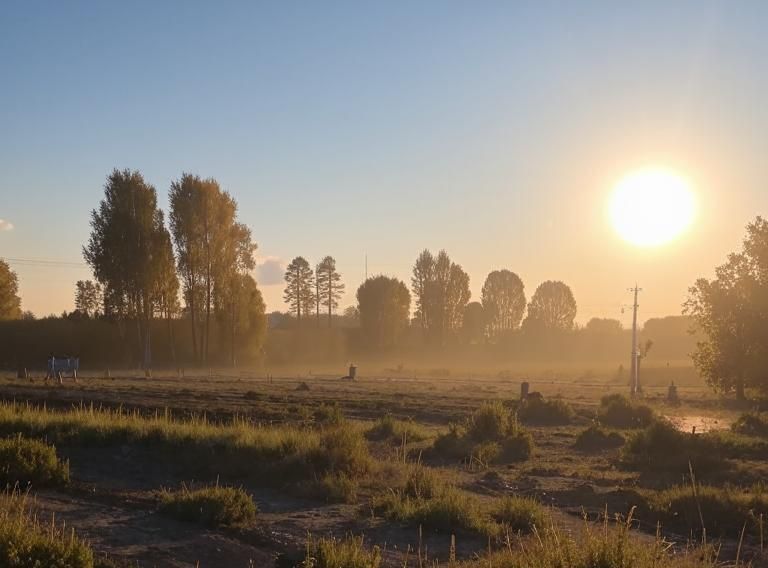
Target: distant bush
(25,461)
(491,433)
(519,514)
(25,543)
(724,510)
(348,553)
(552,412)
(210,506)
(751,424)
(596,438)
(617,411)
(390,429)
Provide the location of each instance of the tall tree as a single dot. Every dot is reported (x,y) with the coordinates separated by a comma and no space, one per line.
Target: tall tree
(384,305)
(552,308)
(441,289)
(475,323)
(299,291)
(503,298)
(167,304)
(731,312)
(10,302)
(88,298)
(330,286)
(203,222)
(126,250)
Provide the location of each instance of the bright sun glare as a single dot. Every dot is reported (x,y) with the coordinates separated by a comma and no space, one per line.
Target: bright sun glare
(652,206)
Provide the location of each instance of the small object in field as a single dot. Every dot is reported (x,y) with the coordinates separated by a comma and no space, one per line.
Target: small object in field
(525,386)
(672,397)
(352,373)
(22,374)
(535,395)
(302,386)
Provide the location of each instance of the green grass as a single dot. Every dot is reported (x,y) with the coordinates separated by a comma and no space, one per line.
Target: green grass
(617,411)
(25,542)
(347,553)
(519,514)
(724,511)
(596,438)
(492,434)
(389,429)
(552,412)
(237,449)
(25,461)
(213,506)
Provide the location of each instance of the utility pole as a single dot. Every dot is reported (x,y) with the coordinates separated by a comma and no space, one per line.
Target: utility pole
(634,373)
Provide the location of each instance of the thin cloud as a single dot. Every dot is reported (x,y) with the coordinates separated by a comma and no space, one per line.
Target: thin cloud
(270,270)
(6,225)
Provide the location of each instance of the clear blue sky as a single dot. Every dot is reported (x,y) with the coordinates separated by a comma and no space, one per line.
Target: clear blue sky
(491,129)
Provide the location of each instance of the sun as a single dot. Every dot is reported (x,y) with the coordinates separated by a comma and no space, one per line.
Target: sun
(652,206)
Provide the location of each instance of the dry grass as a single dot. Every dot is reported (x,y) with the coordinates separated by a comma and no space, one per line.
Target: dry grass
(213,506)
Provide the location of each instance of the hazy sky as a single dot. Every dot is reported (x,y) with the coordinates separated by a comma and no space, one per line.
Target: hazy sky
(494,130)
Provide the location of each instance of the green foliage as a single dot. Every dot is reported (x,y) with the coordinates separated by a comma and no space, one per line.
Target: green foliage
(662,447)
(10,303)
(210,506)
(597,438)
(491,433)
(299,291)
(751,424)
(26,543)
(388,428)
(384,305)
(617,411)
(342,450)
(329,286)
(25,461)
(546,412)
(723,510)
(519,514)
(348,553)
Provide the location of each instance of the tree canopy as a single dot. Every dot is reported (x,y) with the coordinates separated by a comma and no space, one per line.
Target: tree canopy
(552,308)
(384,304)
(503,299)
(10,302)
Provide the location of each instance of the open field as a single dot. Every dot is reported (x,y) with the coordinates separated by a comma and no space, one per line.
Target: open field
(334,458)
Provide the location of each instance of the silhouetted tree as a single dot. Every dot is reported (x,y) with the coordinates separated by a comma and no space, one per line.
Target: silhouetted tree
(88,298)
(330,286)
(10,302)
(126,250)
(244,316)
(475,322)
(552,308)
(384,304)
(441,288)
(732,313)
(603,326)
(299,291)
(503,298)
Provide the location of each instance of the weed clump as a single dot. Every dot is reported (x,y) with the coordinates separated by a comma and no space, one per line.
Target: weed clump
(662,447)
(596,439)
(751,424)
(26,543)
(519,514)
(554,412)
(617,411)
(387,428)
(213,506)
(333,553)
(25,461)
(491,434)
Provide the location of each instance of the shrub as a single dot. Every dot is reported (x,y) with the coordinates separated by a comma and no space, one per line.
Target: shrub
(342,450)
(751,424)
(390,429)
(26,543)
(617,411)
(661,447)
(491,434)
(596,438)
(518,513)
(338,488)
(724,510)
(546,412)
(347,553)
(330,414)
(25,461)
(210,506)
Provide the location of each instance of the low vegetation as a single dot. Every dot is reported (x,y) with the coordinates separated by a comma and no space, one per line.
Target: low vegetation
(751,424)
(491,435)
(25,542)
(213,506)
(546,412)
(617,411)
(723,511)
(662,447)
(350,552)
(389,429)
(596,439)
(25,461)
(519,514)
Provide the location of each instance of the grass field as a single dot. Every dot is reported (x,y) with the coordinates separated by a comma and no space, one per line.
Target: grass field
(397,468)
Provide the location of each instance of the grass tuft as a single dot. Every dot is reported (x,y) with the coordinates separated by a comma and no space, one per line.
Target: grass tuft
(213,506)
(333,553)
(25,461)
(552,412)
(617,411)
